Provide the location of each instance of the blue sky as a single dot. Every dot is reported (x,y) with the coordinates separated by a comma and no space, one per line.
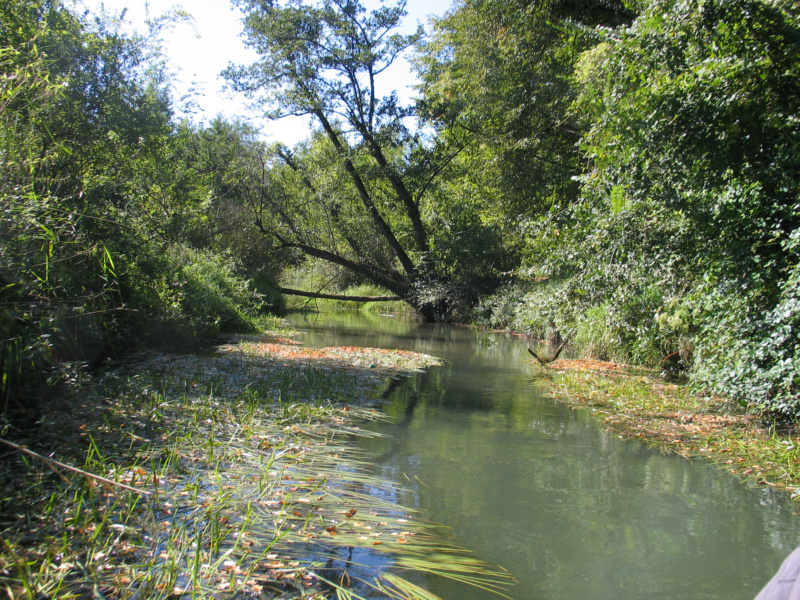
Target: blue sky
(199,51)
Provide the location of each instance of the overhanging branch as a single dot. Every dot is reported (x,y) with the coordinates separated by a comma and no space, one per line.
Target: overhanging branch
(390,280)
(321,296)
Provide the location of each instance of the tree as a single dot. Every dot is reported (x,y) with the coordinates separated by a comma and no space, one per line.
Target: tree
(354,195)
(102,216)
(497,78)
(688,220)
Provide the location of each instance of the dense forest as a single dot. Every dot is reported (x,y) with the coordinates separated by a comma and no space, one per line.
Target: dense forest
(621,174)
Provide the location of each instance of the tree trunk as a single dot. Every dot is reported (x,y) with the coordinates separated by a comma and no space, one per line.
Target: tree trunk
(322,296)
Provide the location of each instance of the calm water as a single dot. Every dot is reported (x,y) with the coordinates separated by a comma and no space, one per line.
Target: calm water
(532,485)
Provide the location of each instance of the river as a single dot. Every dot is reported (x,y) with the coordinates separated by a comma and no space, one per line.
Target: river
(526,482)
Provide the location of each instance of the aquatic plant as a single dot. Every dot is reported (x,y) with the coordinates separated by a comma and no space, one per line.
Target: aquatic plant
(240,477)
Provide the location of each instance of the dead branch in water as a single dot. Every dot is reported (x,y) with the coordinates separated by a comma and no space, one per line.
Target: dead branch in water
(543,360)
(54,463)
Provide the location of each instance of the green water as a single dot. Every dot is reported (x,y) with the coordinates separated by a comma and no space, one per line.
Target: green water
(530,484)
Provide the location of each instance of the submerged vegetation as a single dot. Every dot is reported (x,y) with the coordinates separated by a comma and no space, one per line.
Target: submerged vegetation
(224,474)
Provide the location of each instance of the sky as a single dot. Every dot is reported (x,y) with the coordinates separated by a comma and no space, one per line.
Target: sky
(199,51)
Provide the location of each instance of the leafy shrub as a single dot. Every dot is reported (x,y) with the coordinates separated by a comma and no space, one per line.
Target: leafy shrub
(538,308)
(596,336)
(684,240)
(749,349)
(186,292)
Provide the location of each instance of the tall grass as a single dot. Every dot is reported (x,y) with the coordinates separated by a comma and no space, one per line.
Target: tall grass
(247,481)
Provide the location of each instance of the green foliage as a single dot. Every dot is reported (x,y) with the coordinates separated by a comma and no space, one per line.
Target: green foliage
(497,86)
(323,277)
(623,325)
(50,271)
(186,292)
(363,193)
(105,219)
(693,111)
(748,352)
(531,308)
(322,61)
(680,249)
(694,115)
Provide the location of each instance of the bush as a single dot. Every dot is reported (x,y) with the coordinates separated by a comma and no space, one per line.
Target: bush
(749,350)
(541,309)
(185,293)
(623,319)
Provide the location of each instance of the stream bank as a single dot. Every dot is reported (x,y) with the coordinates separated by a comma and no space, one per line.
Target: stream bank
(638,403)
(242,488)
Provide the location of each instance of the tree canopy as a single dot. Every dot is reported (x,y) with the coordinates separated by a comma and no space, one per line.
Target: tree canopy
(324,60)
(620,174)
(105,217)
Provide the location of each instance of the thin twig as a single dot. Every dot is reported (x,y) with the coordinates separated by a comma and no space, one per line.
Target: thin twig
(666,358)
(50,462)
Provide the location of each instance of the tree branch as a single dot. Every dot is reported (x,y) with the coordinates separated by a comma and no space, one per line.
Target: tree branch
(54,463)
(411,208)
(366,199)
(321,296)
(391,281)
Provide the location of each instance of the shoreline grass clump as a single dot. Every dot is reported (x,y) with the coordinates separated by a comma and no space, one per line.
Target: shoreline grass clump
(233,475)
(638,403)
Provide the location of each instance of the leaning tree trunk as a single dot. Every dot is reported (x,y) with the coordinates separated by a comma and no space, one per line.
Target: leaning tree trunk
(321,296)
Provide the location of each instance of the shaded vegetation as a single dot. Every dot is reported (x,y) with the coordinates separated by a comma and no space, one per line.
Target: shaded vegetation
(676,250)
(107,207)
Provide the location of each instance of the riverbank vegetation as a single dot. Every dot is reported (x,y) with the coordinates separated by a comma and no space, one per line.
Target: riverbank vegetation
(226,473)
(110,232)
(674,246)
(320,278)
(620,175)
(638,404)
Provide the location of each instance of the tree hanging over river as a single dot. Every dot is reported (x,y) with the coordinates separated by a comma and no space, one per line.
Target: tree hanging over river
(355,194)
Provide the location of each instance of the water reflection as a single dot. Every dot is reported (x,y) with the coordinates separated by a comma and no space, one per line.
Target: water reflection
(542,490)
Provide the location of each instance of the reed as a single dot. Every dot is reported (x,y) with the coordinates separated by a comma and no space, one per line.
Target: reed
(241,477)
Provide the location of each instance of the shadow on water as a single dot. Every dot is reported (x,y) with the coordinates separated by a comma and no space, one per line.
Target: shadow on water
(539,488)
